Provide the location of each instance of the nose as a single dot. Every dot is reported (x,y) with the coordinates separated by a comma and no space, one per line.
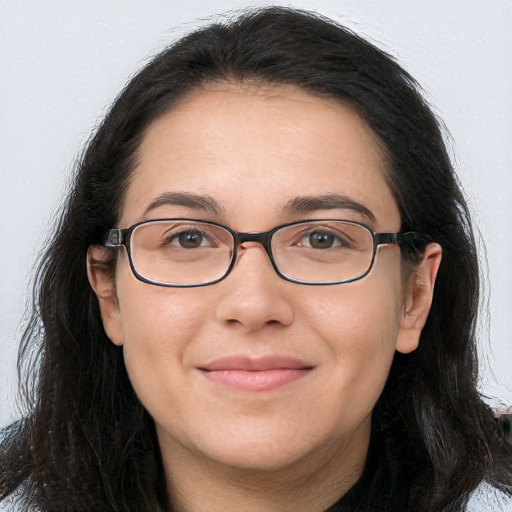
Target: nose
(253,295)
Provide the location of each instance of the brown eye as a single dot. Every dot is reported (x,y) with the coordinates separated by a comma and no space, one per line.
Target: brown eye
(190,239)
(321,240)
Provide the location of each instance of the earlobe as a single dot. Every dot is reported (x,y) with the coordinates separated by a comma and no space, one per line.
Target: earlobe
(101,279)
(419,294)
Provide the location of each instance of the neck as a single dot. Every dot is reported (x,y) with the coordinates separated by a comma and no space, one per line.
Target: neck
(310,484)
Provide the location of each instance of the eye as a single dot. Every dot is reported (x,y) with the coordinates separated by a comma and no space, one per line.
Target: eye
(321,240)
(325,239)
(189,239)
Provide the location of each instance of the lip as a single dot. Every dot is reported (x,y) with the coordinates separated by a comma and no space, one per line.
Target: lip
(255,374)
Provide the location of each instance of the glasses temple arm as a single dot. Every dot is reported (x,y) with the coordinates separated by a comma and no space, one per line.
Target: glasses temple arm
(113,238)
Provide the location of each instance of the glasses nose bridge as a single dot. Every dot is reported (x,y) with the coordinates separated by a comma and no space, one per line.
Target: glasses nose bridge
(260,238)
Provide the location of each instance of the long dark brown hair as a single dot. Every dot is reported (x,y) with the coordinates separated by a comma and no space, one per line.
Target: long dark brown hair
(87,444)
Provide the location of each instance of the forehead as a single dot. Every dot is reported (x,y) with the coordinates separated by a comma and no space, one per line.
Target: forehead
(254,149)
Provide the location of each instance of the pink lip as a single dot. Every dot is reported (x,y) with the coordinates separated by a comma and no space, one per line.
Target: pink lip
(255,374)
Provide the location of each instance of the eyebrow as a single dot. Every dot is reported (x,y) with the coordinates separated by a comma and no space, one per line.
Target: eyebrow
(307,204)
(187,199)
(297,205)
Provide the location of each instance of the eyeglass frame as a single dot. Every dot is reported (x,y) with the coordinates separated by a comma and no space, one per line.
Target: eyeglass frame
(412,240)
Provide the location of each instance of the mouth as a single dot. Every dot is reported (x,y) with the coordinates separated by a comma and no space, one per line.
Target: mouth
(255,374)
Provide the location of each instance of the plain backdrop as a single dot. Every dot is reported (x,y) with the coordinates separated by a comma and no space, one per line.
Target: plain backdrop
(62,64)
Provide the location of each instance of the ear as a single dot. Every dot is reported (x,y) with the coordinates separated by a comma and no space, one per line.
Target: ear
(100,273)
(418,299)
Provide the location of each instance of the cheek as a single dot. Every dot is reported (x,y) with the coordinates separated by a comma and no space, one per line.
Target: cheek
(358,324)
(160,325)
(360,318)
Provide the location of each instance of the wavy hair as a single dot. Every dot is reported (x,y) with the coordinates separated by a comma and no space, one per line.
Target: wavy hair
(86,442)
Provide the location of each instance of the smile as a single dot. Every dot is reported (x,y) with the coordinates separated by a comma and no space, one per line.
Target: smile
(262,374)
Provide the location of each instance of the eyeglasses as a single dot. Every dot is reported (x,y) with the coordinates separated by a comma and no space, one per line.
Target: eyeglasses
(189,252)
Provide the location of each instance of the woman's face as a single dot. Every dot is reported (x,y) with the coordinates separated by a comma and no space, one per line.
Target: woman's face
(256,372)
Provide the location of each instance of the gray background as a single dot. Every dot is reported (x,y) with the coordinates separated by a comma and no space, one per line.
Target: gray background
(62,64)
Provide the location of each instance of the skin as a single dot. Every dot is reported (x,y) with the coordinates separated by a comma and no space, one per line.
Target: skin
(303,445)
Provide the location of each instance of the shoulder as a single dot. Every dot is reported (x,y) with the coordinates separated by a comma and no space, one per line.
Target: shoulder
(488,499)
(7,505)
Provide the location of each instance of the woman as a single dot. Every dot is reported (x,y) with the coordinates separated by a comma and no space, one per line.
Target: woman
(262,293)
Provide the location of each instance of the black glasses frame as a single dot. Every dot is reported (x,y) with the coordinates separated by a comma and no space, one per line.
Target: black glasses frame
(411,240)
